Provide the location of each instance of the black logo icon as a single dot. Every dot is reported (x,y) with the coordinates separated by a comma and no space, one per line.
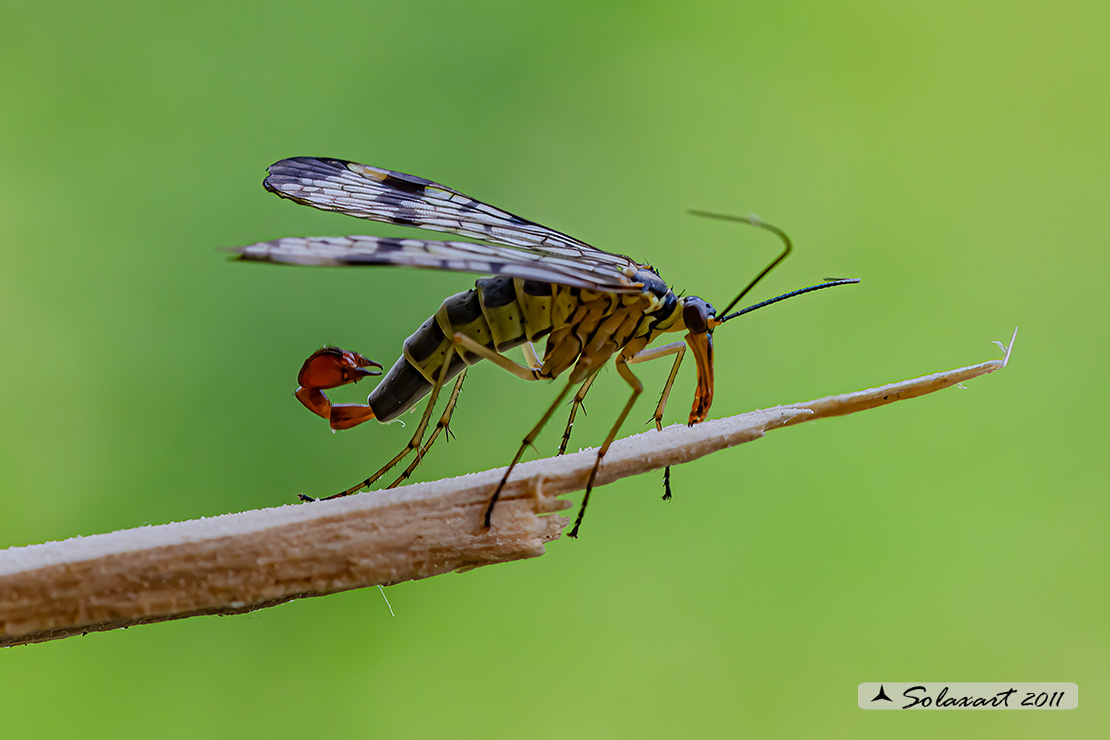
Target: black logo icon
(882,695)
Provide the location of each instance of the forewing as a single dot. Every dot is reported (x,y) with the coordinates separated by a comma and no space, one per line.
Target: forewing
(337,251)
(396,198)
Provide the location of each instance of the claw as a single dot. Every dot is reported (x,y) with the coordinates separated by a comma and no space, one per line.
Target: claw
(332,367)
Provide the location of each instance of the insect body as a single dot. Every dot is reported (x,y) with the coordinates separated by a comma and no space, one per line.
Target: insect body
(589,305)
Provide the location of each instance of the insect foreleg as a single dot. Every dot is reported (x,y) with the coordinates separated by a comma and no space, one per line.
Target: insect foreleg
(678,349)
(574,406)
(528,440)
(674,348)
(441,426)
(637,389)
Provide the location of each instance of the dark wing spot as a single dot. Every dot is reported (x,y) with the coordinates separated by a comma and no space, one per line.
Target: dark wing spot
(405,217)
(405,183)
(386,244)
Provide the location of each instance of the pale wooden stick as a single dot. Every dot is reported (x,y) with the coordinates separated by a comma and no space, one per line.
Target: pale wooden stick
(240,562)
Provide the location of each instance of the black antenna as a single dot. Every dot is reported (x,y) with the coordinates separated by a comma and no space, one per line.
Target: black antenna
(752,221)
(830,283)
(787,247)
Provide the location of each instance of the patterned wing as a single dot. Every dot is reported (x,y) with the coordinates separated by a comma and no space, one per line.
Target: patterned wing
(396,198)
(337,251)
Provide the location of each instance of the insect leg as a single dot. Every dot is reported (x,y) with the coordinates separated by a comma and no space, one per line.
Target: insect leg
(496,358)
(441,426)
(574,406)
(675,348)
(530,355)
(528,440)
(414,443)
(637,389)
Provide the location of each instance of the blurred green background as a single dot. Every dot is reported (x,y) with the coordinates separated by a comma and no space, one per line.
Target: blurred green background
(953,155)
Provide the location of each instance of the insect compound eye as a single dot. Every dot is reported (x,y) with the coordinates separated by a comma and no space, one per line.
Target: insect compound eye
(696,314)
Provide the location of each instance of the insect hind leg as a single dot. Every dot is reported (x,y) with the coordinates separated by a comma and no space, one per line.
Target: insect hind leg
(503,362)
(414,443)
(441,426)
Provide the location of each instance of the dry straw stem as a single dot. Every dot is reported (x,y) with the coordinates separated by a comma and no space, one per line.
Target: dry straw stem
(240,562)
